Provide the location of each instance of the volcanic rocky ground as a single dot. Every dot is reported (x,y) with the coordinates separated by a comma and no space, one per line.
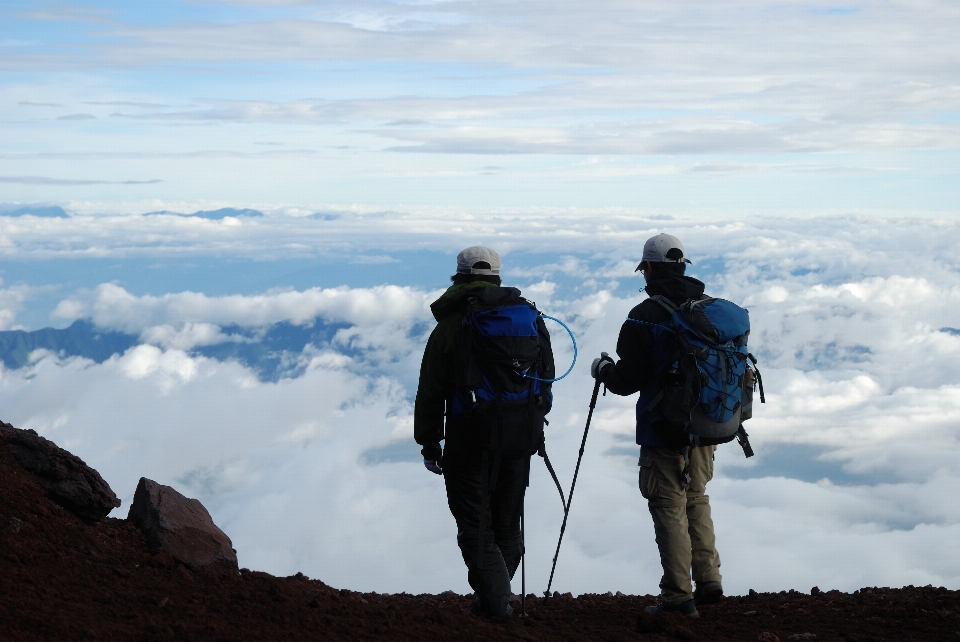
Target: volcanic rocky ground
(67,578)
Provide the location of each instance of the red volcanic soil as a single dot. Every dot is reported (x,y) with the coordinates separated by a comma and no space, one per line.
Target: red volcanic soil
(63,579)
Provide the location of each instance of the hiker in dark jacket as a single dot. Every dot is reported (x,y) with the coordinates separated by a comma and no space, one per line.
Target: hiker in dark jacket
(681,518)
(460,461)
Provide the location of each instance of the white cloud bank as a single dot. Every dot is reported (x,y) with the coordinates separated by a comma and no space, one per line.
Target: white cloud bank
(110,306)
(856,447)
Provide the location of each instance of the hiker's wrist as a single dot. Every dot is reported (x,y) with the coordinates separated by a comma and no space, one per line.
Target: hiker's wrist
(432,452)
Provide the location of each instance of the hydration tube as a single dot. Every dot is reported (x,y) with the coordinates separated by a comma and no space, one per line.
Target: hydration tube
(574,353)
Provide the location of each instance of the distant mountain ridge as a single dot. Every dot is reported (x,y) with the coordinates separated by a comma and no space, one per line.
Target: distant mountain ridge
(271,352)
(82,339)
(43,211)
(213,215)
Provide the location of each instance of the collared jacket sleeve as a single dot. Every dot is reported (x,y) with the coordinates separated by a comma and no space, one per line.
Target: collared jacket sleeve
(435,388)
(635,348)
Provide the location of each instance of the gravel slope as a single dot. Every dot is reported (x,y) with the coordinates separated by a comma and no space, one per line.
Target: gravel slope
(62,579)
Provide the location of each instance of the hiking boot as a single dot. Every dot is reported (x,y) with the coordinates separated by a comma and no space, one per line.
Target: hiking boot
(686,609)
(708,593)
(478,609)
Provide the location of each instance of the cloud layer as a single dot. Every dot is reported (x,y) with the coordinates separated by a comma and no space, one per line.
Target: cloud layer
(851,322)
(343,92)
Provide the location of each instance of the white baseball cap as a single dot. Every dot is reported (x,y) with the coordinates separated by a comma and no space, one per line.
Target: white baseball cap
(470,257)
(663,248)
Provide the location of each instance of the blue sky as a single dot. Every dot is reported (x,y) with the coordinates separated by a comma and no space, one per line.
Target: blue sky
(806,153)
(678,107)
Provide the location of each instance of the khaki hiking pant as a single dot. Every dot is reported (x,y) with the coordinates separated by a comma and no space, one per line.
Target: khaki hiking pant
(681,519)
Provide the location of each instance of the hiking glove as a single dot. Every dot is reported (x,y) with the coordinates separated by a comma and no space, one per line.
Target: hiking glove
(601,362)
(433,466)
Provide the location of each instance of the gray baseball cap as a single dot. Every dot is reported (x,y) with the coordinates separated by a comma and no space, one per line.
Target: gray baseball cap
(663,248)
(467,259)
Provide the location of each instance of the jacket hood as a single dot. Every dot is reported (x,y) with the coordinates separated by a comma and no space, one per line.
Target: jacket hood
(676,287)
(454,298)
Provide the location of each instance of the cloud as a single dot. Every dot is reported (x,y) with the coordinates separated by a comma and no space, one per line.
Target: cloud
(12,300)
(675,93)
(734,168)
(46,180)
(138,155)
(779,246)
(848,316)
(110,306)
(780,77)
(297,453)
(255,3)
(77,117)
(125,103)
(187,336)
(501,124)
(675,138)
(374,260)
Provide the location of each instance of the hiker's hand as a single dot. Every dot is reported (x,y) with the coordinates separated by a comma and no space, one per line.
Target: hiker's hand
(601,362)
(433,466)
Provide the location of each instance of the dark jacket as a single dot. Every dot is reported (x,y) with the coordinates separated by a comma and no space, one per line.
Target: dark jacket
(436,387)
(635,347)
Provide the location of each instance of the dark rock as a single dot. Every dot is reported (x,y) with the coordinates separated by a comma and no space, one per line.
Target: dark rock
(670,623)
(181,527)
(647,623)
(64,477)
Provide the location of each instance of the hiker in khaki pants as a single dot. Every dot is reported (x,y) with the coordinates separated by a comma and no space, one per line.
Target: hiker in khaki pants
(681,518)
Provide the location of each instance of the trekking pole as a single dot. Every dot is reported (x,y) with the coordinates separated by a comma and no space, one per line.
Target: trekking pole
(523,567)
(566,510)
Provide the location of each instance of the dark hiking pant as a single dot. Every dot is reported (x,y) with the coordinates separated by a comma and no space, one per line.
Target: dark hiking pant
(681,518)
(500,554)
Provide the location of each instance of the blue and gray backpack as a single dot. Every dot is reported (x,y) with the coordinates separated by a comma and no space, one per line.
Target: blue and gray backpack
(706,382)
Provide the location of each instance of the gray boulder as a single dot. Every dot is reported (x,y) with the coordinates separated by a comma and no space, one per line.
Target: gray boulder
(182,527)
(64,477)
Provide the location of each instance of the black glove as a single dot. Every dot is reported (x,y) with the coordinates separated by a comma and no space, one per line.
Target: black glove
(432,455)
(599,365)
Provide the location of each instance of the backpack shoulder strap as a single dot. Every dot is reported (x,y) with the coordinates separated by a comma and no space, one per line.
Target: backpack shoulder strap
(672,307)
(664,303)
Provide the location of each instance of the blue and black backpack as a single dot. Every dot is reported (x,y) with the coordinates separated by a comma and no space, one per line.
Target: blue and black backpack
(706,382)
(499,394)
